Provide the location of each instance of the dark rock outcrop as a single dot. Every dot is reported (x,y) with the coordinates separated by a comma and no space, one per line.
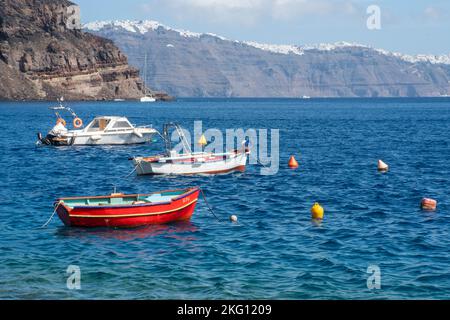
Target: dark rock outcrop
(43,57)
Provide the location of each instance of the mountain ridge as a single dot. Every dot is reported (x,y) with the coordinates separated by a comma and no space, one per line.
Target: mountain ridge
(144,26)
(189,64)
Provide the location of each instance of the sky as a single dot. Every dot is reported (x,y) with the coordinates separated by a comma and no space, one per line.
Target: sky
(406,26)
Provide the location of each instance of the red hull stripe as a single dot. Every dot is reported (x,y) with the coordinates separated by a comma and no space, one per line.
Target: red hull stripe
(132,215)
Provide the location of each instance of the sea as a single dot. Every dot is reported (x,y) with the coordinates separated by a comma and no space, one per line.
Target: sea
(374,242)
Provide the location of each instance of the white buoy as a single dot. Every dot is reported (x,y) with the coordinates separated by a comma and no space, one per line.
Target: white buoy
(234,218)
(382,166)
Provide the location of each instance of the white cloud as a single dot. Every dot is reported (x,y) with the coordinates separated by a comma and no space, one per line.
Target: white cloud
(285,9)
(251,15)
(224,4)
(255,8)
(432,13)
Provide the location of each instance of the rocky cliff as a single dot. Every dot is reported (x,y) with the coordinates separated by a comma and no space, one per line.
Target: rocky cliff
(43,55)
(190,64)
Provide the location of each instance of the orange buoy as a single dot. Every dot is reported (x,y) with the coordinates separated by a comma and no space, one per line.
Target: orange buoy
(382,166)
(428,204)
(293,164)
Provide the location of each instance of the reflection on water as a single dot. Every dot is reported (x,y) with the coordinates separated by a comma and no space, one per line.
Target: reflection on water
(183,231)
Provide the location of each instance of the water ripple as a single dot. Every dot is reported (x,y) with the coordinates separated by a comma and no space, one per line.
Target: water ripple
(276,251)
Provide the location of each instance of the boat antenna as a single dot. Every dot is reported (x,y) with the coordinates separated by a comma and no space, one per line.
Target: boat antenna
(144,76)
(179,130)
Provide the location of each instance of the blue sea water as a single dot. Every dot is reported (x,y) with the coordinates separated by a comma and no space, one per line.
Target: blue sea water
(276,251)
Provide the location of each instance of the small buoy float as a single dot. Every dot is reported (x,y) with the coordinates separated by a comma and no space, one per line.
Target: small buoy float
(234,218)
(382,166)
(317,211)
(293,164)
(202,140)
(428,204)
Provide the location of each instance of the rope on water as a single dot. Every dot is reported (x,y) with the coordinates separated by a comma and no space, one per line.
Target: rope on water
(209,207)
(51,217)
(132,171)
(258,162)
(212,211)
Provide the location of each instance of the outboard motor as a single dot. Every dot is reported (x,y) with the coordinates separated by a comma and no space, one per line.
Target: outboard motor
(42,140)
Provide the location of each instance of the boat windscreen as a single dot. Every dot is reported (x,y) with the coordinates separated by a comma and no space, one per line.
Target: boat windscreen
(121,125)
(98,125)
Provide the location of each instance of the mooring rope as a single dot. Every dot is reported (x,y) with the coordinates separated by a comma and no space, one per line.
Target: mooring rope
(51,217)
(132,171)
(212,211)
(208,206)
(257,161)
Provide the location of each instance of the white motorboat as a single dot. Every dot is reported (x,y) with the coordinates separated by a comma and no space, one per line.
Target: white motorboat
(148,99)
(105,130)
(189,163)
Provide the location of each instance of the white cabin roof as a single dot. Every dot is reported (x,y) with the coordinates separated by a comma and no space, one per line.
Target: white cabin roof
(111,118)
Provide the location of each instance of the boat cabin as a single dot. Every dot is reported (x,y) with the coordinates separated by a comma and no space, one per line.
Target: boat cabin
(109,124)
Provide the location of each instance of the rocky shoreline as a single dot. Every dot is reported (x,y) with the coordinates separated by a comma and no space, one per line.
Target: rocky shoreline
(42,58)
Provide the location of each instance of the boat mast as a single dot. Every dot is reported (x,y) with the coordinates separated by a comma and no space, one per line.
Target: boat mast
(145,74)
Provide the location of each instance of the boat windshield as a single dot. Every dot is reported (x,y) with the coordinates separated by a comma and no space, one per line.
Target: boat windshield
(121,125)
(98,125)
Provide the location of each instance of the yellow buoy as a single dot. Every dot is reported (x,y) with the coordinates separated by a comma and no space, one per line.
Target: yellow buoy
(202,141)
(317,211)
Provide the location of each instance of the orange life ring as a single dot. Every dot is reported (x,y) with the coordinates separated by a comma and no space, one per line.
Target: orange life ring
(61,120)
(77,123)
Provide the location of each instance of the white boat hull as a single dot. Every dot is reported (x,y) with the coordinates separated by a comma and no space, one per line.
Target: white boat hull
(146,167)
(112,139)
(148,99)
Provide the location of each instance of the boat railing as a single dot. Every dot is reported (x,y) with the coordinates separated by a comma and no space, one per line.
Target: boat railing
(199,155)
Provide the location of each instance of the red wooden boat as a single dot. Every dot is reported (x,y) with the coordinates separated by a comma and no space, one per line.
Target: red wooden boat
(122,211)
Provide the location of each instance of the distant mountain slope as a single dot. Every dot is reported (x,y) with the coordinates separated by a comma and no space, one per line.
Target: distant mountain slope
(184,63)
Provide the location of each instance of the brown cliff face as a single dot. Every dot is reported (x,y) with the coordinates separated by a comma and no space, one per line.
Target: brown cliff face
(42,57)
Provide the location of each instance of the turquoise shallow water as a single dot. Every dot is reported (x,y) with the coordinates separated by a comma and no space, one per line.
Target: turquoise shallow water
(276,252)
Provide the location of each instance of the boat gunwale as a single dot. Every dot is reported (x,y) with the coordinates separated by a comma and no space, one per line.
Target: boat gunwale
(188,191)
(229,156)
(83,134)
